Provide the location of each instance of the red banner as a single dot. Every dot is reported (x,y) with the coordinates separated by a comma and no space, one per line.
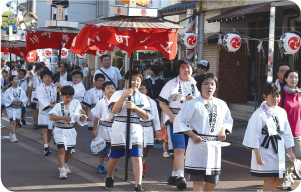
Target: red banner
(43,40)
(163,40)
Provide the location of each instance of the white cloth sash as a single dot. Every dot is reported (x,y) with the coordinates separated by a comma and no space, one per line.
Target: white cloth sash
(272,131)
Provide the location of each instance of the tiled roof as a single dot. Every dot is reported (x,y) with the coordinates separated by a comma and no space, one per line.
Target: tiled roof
(178,7)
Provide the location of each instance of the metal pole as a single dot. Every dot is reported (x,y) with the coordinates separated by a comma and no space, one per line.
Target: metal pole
(201,37)
(58,65)
(10,61)
(31,6)
(128,126)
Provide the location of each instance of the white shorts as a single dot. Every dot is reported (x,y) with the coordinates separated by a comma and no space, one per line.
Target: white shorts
(44,122)
(14,113)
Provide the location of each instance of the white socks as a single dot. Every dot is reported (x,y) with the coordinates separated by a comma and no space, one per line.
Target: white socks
(174,174)
(143,160)
(180,173)
(45,145)
(13,135)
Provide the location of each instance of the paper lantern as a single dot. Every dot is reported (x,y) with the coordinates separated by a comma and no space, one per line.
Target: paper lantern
(31,56)
(231,42)
(189,40)
(47,53)
(81,56)
(289,43)
(100,52)
(64,53)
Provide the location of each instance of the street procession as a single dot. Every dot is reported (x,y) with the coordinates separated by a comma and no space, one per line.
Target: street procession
(150,95)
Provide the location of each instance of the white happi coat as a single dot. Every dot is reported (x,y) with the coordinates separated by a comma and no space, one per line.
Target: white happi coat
(203,158)
(176,86)
(14,109)
(45,98)
(269,129)
(2,90)
(36,80)
(105,119)
(118,139)
(91,98)
(79,91)
(150,125)
(62,135)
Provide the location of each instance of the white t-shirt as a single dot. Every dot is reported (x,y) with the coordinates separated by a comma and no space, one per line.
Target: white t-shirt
(112,72)
(86,72)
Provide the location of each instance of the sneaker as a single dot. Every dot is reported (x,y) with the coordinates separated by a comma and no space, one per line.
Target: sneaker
(259,190)
(63,174)
(67,168)
(171,155)
(109,183)
(101,169)
(166,154)
(181,184)
(286,185)
(95,153)
(144,167)
(14,139)
(72,151)
(35,126)
(23,121)
(19,124)
(172,180)
(47,151)
(139,188)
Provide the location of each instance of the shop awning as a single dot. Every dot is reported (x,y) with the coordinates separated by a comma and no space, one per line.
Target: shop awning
(241,12)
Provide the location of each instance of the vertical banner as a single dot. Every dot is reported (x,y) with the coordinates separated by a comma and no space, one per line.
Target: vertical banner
(190,54)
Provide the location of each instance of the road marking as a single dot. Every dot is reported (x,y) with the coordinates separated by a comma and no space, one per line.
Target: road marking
(6,119)
(93,179)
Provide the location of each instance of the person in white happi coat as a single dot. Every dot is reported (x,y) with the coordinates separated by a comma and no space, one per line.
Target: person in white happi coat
(14,99)
(138,106)
(268,133)
(23,85)
(92,97)
(4,86)
(103,122)
(209,119)
(46,94)
(185,85)
(64,132)
(149,126)
(36,80)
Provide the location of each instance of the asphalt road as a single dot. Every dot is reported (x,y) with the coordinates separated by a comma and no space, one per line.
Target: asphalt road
(24,168)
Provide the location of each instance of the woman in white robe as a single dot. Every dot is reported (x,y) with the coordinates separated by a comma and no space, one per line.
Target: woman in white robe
(14,99)
(209,119)
(119,106)
(185,85)
(268,133)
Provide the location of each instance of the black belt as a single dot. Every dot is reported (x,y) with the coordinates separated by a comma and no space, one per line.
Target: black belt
(175,110)
(146,123)
(206,137)
(135,120)
(273,138)
(106,123)
(62,125)
(93,105)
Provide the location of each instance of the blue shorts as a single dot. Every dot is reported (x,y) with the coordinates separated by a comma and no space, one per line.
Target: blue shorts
(178,140)
(117,153)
